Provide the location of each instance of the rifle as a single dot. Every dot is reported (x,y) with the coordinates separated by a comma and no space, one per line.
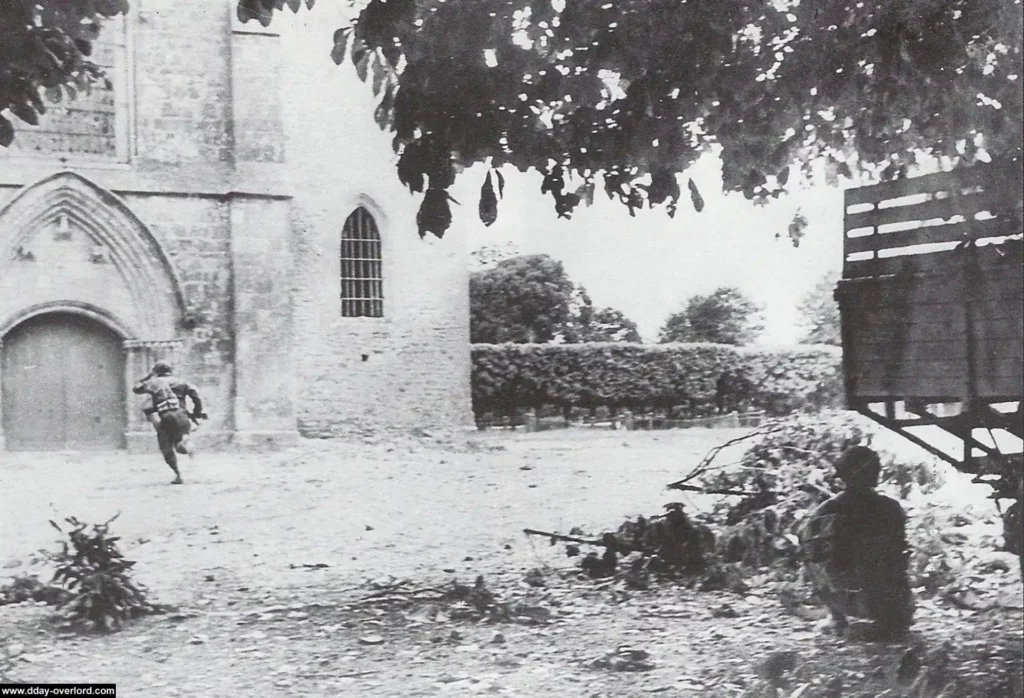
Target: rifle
(606,541)
(705,490)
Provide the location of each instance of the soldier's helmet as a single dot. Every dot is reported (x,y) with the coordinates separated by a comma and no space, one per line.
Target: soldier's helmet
(162,368)
(859,466)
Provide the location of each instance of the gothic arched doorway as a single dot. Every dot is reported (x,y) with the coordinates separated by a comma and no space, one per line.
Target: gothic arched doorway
(62,384)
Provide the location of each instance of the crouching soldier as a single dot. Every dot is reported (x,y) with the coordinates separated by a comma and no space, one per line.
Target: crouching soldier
(168,413)
(855,551)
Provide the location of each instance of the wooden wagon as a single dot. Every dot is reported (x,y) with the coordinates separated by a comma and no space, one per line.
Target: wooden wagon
(932,307)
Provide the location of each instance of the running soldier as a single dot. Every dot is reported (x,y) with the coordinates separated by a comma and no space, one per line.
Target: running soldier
(856,554)
(168,413)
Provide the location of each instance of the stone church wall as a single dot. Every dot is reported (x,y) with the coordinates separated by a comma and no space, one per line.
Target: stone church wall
(409,368)
(242,151)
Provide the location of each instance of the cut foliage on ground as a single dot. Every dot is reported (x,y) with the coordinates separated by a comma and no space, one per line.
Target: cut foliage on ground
(355,569)
(759,502)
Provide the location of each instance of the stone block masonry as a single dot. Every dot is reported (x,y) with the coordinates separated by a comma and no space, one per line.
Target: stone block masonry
(247,149)
(195,232)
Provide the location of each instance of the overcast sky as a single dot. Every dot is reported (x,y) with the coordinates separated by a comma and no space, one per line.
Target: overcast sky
(649,265)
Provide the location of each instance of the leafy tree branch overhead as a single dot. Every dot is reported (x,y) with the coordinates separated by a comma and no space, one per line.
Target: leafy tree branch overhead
(626,95)
(44,52)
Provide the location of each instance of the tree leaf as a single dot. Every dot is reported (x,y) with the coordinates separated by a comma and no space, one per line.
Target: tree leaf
(25,112)
(554,182)
(363,64)
(501,183)
(341,42)
(434,215)
(695,197)
(488,207)
(586,192)
(359,51)
(411,165)
(378,74)
(783,177)
(382,114)
(797,227)
(664,188)
(6,138)
(37,101)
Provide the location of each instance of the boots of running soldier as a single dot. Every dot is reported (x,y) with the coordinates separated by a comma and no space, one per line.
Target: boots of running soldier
(171,458)
(184,447)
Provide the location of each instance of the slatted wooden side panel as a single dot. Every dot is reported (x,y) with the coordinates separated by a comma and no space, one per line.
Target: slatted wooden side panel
(908,335)
(996,297)
(905,226)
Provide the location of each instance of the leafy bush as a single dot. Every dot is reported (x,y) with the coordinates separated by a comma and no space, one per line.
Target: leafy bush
(954,549)
(787,473)
(695,379)
(6,662)
(479,603)
(595,375)
(791,379)
(28,587)
(935,562)
(670,545)
(102,592)
(1013,531)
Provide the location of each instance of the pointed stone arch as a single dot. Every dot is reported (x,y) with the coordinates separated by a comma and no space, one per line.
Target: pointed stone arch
(69,199)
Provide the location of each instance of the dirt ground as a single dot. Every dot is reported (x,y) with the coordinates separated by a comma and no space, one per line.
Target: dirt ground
(235,549)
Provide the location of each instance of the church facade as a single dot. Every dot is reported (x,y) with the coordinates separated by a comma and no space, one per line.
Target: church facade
(226,204)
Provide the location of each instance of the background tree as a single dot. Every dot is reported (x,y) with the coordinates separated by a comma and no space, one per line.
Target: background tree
(819,313)
(725,316)
(523,299)
(675,329)
(586,324)
(44,54)
(489,256)
(530,298)
(628,94)
(609,325)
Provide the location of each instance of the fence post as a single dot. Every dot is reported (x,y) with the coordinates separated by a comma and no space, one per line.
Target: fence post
(531,420)
(627,420)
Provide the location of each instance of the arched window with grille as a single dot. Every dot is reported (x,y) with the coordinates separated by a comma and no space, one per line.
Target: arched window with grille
(362,280)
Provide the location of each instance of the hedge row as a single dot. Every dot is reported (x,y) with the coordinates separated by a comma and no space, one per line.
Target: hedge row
(686,379)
